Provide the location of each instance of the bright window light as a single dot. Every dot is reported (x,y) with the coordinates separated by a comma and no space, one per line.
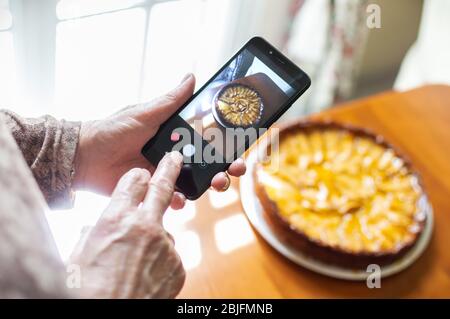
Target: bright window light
(7,71)
(66,225)
(193,44)
(5,15)
(98,64)
(69,9)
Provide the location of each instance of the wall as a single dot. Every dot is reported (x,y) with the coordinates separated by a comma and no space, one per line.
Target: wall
(387,46)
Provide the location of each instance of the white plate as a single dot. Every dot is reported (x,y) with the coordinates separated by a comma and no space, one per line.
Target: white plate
(253,209)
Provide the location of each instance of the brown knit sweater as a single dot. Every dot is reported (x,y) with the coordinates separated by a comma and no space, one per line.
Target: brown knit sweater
(43,148)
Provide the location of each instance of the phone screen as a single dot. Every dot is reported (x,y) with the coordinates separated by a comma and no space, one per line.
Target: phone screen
(228,114)
(245,95)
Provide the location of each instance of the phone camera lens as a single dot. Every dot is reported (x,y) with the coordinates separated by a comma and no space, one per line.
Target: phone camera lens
(270,52)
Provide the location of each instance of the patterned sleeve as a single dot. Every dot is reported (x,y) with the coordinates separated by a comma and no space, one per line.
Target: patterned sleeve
(30,266)
(49,148)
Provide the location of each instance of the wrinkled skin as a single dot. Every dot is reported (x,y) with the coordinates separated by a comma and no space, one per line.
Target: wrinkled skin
(128,254)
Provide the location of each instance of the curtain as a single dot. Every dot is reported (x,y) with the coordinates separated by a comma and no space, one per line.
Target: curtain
(327,38)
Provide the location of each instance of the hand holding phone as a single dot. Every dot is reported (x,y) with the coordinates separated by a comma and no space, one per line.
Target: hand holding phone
(218,123)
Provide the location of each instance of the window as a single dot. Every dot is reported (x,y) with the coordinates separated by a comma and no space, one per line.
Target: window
(98,63)
(131,50)
(5,15)
(7,60)
(72,9)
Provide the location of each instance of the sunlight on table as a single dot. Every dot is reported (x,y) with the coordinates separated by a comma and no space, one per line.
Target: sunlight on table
(188,246)
(232,233)
(223,199)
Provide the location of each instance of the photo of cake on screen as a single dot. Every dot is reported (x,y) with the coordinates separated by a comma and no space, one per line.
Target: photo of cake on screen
(246,94)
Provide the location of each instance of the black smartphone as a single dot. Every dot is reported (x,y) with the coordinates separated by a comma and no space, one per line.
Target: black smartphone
(222,119)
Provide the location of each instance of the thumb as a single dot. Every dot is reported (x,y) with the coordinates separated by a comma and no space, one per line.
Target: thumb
(163,107)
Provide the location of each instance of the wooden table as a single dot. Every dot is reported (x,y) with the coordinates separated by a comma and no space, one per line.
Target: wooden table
(233,261)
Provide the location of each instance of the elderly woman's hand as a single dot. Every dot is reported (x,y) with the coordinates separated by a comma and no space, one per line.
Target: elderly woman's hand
(108,148)
(128,254)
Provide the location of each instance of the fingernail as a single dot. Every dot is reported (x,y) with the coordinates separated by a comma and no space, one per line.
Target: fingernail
(227,185)
(186,77)
(181,197)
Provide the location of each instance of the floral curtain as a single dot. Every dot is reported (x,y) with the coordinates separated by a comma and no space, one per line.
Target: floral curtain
(327,37)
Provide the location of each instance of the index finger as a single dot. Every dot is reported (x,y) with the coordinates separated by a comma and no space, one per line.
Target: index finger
(162,185)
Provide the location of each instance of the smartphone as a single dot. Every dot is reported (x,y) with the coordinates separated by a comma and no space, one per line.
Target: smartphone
(227,114)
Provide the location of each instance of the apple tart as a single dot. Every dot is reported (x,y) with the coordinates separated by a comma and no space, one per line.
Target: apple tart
(340,195)
(238,105)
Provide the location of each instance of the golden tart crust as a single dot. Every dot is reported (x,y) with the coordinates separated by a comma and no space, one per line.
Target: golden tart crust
(340,194)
